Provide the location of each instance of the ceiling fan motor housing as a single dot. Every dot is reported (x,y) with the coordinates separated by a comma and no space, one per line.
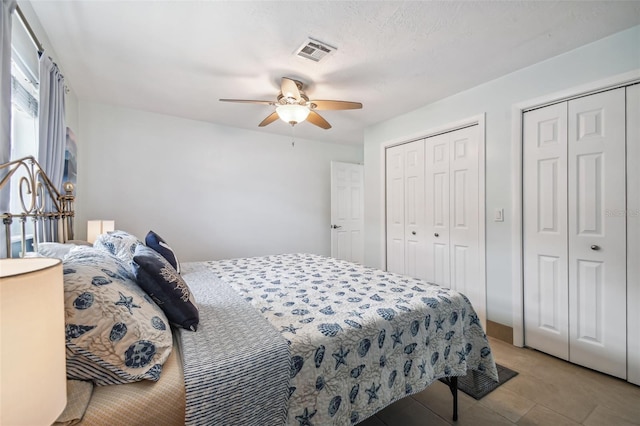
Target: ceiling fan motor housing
(293,106)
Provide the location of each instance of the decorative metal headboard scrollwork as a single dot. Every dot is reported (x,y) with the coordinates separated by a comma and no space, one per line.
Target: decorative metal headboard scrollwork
(34,188)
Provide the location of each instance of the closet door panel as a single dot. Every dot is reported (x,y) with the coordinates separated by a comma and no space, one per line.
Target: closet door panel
(633,233)
(395,209)
(437,209)
(415,264)
(545,230)
(597,234)
(464,229)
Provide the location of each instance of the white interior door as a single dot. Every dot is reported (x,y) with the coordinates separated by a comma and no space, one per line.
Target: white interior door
(597,235)
(633,234)
(453,202)
(464,231)
(437,212)
(395,208)
(546,293)
(347,205)
(574,231)
(415,258)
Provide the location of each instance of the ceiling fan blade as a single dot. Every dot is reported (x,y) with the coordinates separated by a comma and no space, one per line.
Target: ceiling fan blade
(270,119)
(315,118)
(247,101)
(334,105)
(289,89)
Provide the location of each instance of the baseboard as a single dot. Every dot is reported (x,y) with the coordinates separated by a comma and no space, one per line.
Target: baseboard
(500,331)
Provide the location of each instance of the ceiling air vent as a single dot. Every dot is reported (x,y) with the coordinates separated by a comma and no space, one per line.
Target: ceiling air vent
(314,50)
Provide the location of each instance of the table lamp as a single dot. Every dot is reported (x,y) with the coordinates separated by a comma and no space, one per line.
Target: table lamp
(32,341)
(97,227)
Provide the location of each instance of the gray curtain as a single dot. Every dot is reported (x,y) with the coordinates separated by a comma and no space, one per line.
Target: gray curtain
(6,10)
(51,124)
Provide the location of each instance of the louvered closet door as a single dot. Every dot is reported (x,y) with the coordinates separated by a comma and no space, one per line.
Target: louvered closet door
(597,234)
(546,291)
(395,208)
(414,252)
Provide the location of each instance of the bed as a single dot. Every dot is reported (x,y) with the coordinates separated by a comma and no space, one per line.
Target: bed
(296,339)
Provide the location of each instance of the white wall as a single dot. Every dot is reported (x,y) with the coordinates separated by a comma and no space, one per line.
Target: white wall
(211,191)
(613,55)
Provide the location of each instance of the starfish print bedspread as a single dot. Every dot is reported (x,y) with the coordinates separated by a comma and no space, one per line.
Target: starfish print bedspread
(359,338)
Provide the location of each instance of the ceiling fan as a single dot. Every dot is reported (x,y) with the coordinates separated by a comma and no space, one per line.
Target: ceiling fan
(293,106)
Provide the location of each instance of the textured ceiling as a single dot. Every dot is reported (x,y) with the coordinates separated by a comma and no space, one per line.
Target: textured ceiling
(180,57)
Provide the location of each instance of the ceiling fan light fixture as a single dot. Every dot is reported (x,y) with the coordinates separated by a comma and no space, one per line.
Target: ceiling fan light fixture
(293,114)
(293,106)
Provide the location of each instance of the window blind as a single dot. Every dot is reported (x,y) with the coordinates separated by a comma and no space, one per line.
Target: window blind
(21,98)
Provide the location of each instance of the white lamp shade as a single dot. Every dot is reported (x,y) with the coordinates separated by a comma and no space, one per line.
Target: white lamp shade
(98,227)
(292,113)
(33,382)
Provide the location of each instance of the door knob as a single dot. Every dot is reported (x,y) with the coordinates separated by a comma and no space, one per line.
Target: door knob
(436,235)
(413,232)
(595,247)
(336,226)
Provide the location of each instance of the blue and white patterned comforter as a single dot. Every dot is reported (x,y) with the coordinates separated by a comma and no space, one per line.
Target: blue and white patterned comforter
(359,338)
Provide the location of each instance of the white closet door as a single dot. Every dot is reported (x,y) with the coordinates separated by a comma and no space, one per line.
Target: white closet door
(597,236)
(545,230)
(633,233)
(437,209)
(395,208)
(463,217)
(415,258)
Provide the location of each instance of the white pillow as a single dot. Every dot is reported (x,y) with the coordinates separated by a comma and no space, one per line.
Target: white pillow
(57,250)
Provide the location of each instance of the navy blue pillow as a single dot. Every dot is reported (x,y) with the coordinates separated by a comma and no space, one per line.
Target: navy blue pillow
(156,242)
(166,287)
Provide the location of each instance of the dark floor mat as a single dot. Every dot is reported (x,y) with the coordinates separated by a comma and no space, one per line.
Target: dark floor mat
(477,385)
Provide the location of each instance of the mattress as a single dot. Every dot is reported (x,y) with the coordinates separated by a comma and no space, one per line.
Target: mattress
(143,403)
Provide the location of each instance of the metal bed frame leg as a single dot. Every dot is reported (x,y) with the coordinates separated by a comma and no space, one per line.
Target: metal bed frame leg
(453,387)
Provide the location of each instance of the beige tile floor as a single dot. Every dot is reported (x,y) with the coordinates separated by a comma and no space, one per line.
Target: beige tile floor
(547,391)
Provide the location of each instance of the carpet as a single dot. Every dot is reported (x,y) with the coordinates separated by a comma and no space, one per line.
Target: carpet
(477,385)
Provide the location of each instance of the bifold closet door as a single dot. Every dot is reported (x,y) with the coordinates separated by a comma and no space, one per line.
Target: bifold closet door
(574,245)
(546,290)
(453,202)
(633,233)
(395,208)
(464,203)
(437,214)
(405,209)
(597,236)
(414,204)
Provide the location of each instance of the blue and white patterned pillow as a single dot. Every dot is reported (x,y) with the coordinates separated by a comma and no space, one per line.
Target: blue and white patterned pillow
(161,281)
(115,333)
(120,244)
(156,242)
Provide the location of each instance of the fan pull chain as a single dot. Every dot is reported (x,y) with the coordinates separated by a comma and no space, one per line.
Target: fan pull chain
(293,136)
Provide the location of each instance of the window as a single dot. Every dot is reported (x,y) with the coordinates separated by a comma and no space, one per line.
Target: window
(24,92)
(24,113)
